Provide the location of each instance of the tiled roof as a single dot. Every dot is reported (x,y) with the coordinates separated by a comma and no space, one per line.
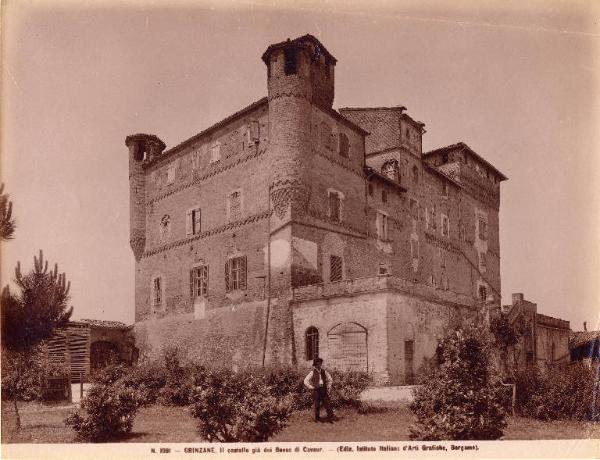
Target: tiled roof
(462,145)
(582,337)
(299,41)
(103,323)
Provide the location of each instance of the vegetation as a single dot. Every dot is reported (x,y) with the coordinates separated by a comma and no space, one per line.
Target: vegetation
(562,392)
(108,412)
(29,317)
(7,223)
(459,399)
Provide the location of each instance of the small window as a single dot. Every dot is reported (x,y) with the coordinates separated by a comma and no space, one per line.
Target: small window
(165,228)
(326,136)
(235,206)
(384,195)
(442,258)
(382,226)
(482,229)
(199,281)
(290,60)
(445,225)
(414,248)
(311,341)
(344,145)
(171,174)
(193,222)
(415,175)
(482,293)
(414,209)
(157,295)
(252,133)
(235,274)
(384,269)
(482,261)
(335,207)
(215,152)
(335,268)
(445,189)
(370,189)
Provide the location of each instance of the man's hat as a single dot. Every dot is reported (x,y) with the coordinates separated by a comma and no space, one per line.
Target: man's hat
(317,361)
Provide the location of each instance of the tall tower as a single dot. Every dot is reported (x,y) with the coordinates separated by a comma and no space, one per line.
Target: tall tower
(300,73)
(142,149)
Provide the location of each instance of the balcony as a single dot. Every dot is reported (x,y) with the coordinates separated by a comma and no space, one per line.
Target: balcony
(378,284)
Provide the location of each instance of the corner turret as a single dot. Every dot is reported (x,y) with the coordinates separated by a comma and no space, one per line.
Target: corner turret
(142,149)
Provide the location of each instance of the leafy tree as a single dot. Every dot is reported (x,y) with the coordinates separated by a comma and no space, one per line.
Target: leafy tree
(460,399)
(7,223)
(31,315)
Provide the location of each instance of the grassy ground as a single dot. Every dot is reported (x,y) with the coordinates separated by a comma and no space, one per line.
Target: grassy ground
(43,424)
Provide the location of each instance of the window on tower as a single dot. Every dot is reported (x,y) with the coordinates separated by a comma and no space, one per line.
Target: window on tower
(290,60)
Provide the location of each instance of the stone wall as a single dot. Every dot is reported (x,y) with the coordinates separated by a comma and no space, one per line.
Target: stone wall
(232,335)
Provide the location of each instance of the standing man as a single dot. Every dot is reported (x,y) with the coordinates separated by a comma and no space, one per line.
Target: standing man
(319,381)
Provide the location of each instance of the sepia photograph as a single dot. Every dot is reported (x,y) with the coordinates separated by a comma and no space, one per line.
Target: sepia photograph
(253,228)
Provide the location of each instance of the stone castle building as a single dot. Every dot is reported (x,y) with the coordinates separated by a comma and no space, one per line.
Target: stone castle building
(290,230)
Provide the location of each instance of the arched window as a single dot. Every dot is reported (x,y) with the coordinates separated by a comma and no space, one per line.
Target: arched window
(344,145)
(312,343)
(415,174)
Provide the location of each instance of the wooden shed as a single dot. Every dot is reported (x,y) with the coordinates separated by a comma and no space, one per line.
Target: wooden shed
(88,344)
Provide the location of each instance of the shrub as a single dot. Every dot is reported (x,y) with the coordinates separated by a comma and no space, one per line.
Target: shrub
(109,374)
(238,407)
(107,413)
(347,387)
(562,392)
(459,400)
(34,369)
(146,380)
(178,388)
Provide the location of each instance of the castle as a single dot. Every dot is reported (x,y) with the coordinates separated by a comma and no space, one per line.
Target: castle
(291,230)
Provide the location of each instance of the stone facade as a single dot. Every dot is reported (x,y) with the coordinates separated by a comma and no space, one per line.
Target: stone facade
(290,229)
(542,340)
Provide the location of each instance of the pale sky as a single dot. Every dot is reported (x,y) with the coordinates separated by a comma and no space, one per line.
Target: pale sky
(519,84)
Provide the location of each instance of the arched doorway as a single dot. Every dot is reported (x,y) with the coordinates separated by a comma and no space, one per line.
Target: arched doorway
(347,347)
(103,353)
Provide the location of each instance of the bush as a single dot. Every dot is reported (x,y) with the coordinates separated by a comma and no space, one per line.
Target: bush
(109,374)
(146,380)
(178,388)
(347,387)
(562,392)
(238,407)
(107,413)
(459,400)
(23,374)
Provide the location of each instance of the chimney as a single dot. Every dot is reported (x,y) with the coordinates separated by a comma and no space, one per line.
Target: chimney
(516,298)
(585,326)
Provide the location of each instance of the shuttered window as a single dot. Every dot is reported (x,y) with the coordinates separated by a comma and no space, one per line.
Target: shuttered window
(482,229)
(335,267)
(157,292)
(235,274)
(193,222)
(199,281)
(335,212)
